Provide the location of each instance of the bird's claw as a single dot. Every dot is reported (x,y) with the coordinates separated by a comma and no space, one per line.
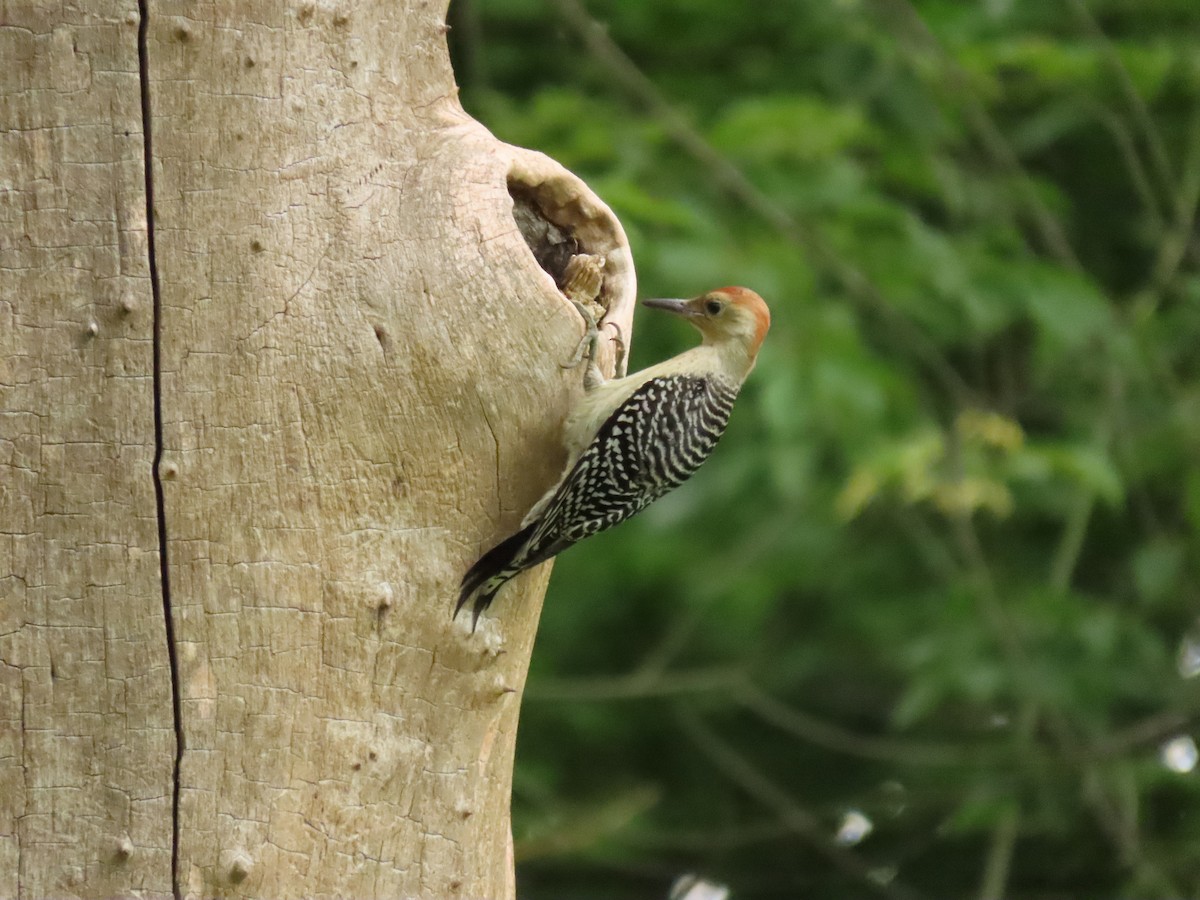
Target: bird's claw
(589,344)
(621,362)
(583,280)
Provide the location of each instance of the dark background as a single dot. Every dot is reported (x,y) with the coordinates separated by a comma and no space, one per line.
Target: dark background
(942,571)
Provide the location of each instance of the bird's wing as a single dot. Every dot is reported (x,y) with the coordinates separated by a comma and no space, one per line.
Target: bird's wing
(652,443)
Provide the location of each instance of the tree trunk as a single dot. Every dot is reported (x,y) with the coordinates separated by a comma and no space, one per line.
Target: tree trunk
(252,439)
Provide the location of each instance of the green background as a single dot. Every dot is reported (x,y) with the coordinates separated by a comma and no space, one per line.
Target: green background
(942,569)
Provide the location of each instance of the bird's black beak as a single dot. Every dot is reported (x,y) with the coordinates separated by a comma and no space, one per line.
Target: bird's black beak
(679,307)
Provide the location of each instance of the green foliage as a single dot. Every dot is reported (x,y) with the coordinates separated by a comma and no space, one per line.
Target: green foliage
(943,565)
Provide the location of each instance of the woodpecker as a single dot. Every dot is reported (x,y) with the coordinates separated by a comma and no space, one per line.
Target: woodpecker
(631,440)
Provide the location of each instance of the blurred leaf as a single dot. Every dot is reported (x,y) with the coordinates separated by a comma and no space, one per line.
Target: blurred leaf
(1084,464)
(1068,308)
(1156,569)
(784,129)
(1192,495)
(981,812)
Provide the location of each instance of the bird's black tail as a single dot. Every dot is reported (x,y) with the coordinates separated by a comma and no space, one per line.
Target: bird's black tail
(490,573)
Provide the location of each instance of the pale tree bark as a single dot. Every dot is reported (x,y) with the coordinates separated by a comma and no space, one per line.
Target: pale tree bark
(240,485)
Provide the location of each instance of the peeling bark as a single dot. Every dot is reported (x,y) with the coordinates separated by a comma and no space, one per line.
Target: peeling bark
(355,359)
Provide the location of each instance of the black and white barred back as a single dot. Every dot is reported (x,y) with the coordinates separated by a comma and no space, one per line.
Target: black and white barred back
(651,444)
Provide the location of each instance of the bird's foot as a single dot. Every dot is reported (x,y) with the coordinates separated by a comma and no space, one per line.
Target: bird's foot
(621,363)
(589,344)
(583,279)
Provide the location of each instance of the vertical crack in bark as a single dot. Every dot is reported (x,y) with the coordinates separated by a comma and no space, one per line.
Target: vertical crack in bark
(164,568)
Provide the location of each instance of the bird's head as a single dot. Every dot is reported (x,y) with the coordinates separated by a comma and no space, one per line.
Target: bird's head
(729,315)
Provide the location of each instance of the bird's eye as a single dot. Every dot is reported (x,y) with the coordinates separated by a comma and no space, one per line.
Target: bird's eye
(712,307)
